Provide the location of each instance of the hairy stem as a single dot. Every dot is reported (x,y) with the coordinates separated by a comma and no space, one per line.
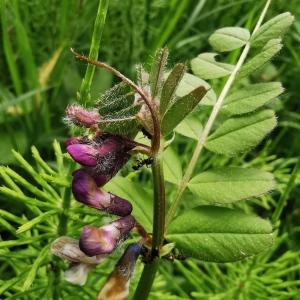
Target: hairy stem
(202,139)
(84,95)
(139,90)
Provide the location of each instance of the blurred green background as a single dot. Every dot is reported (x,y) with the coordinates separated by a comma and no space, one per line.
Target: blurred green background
(39,78)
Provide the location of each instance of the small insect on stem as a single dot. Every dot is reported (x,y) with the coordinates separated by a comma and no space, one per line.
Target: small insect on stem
(140,163)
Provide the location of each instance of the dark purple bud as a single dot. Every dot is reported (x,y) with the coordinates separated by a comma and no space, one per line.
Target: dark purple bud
(86,155)
(86,191)
(81,116)
(117,285)
(97,241)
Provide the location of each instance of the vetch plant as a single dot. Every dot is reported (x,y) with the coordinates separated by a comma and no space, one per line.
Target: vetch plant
(161,104)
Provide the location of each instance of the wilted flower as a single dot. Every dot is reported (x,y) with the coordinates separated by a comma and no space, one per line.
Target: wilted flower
(98,241)
(85,190)
(68,248)
(117,285)
(81,116)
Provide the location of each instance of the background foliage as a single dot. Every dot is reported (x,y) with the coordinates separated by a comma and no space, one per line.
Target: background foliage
(40,77)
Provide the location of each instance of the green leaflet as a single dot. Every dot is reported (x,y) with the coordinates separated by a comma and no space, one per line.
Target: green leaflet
(256,62)
(229,38)
(190,127)
(180,108)
(190,82)
(220,234)
(140,199)
(157,71)
(117,110)
(239,134)
(170,86)
(231,184)
(206,67)
(172,166)
(251,97)
(274,28)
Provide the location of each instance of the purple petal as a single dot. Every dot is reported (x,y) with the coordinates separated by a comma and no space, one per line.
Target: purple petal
(86,191)
(97,241)
(83,154)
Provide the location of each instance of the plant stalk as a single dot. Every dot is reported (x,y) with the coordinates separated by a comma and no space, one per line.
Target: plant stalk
(84,94)
(159,209)
(202,139)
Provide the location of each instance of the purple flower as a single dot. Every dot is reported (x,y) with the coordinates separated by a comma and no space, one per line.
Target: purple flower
(86,155)
(85,190)
(117,285)
(103,156)
(98,241)
(81,116)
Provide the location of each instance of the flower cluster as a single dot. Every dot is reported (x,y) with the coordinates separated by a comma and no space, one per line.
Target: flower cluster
(100,157)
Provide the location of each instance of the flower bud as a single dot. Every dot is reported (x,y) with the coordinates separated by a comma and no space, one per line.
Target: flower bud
(85,190)
(98,241)
(103,156)
(81,116)
(117,285)
(84,154)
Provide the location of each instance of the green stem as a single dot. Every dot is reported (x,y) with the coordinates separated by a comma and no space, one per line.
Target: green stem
(84,94)
(202,139)
(159,205)
(159,209)
(146,281)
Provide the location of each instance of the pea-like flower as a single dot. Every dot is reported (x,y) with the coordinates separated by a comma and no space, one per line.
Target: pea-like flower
(117,285)
(98,241)
(68,248)
(104,155)
(85,190)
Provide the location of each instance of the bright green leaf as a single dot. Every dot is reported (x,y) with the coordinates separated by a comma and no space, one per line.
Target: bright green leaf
(190,82)
(239,134)
(206,67)
(180,108)
(230,184)
(141,200)
(172,166)
(170,86)
(220,234)
(256,62)
(251,97)
(229,38)
(190,127)
(273,29)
